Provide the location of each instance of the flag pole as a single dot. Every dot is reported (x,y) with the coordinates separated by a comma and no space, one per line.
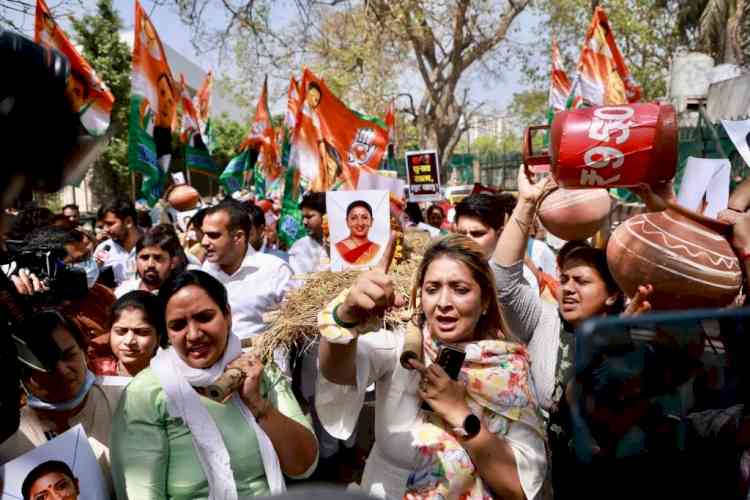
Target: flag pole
(187,175)
(132,185)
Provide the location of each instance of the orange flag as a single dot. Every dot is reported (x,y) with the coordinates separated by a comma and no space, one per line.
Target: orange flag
(603,78)
(332,143)
(89,94)
(263,138)
(190,125)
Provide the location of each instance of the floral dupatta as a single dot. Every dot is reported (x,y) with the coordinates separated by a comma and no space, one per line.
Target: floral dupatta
(496,374)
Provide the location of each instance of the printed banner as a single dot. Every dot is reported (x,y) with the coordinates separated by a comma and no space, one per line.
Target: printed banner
(423,175)
(332,142)
(197,155)
(262,138)
(602,77)
(90,96)
(153,108)
(233,176)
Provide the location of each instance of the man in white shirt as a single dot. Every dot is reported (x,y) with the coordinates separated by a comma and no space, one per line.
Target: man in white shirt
(255,282)
(259,241)
(308,255)
(539,252)
(119,220)
(157,255)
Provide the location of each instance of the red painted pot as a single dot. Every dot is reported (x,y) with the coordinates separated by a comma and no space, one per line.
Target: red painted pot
(684,255)
(183,197)
(574,214)
(610,146)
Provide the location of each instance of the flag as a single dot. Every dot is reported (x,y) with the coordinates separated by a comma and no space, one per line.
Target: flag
(197,155)
(290,227)
(559,85)
(153,107)
(233,176)
(202,105)
(332,143)
(262,138)
(390,125)
(602,77)
(89,95)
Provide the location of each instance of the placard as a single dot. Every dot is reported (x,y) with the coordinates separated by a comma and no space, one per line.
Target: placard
(423,175)
(359,225)
(69,454)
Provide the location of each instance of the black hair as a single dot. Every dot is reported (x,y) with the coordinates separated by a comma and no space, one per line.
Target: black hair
(169,81)
(314,85)
(162,236)
(61,221)
(486,207)
(239,217)
(83,81)
(197,219)
(414,212)
(144,219)
(122,208)
(52,237)
(333,153)
(72,206)
(43,469)
(149,305)
(434,207)
(358,203)
(314,201)
(44,323)
(597,259)
(208,283)
(257,217)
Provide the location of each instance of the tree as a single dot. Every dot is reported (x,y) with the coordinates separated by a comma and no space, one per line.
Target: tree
(445,40)
(98,35)
(528,107)
(722,28)
(645,31)
(228,135)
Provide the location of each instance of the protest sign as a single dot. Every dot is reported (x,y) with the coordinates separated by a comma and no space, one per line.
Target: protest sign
(423,175)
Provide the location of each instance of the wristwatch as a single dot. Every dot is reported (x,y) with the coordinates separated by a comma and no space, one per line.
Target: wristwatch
(470,428)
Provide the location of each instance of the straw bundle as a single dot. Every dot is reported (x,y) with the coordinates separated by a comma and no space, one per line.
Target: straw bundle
(295,323)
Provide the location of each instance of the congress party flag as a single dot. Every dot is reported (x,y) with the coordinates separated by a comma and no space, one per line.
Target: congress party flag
(153,107)
(290,226)
(559,84)
(602,76)
(332,142)
(197,156)
(89,95)
(262,138)
(233,177)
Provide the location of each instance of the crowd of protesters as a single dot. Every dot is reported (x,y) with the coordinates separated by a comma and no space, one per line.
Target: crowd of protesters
(171,309)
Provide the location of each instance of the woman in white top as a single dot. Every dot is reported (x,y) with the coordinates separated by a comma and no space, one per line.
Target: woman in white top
(485,436)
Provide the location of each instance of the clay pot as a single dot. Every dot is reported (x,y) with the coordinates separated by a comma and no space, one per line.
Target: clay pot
(684,255)
(574,214)
(183,198)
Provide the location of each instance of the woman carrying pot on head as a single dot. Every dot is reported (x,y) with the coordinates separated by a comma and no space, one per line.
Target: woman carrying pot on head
(136,332)
(63,397)
(484,437)
(169,441)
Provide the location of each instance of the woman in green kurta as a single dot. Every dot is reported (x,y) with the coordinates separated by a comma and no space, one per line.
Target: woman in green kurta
(164,442)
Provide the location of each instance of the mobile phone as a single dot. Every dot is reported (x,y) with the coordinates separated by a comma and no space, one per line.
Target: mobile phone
(449,359)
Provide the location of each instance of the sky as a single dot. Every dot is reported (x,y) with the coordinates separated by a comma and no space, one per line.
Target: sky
(495,94)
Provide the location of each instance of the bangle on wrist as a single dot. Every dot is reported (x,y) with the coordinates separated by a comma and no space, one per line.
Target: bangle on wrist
(340,322)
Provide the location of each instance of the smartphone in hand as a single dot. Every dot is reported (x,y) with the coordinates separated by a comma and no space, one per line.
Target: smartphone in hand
(449,359)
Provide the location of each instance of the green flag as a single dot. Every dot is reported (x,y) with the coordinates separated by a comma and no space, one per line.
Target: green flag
(142,153)
(232,179)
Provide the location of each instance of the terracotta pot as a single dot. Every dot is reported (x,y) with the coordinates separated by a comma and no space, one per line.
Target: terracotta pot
(574,214)
(183,197)
(684,255)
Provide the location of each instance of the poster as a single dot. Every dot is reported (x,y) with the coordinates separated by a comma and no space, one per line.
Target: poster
(67,462)
(423,175)
(359,226)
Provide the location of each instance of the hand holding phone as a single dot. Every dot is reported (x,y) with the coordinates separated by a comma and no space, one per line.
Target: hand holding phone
(449,359)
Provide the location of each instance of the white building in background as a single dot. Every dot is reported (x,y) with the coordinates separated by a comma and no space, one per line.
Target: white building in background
(194,76)
(492,125)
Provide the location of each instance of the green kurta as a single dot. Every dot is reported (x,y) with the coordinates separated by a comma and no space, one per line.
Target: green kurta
(152,454)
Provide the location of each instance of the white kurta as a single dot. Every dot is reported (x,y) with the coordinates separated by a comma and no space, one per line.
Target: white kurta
(392,460)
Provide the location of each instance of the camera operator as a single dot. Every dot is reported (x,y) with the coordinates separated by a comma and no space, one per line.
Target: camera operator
(120,221)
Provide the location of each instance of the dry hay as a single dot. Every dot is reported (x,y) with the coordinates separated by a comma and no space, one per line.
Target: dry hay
(295,323)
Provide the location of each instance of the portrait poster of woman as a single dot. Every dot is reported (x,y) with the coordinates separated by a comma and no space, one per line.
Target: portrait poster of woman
(64,464)
(359,227)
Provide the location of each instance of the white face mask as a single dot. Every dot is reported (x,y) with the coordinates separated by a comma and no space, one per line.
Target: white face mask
(92,270)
